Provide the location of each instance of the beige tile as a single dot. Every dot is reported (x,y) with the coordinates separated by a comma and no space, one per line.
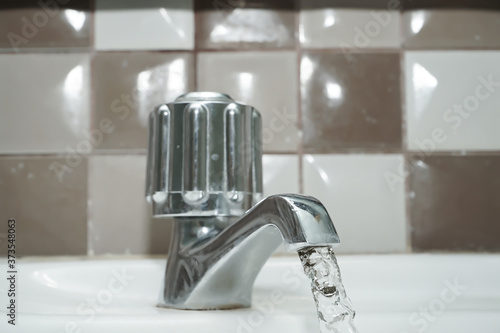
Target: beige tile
(455,203)
(120,220)
(51,211)
(451,28)
(128,86)
(35,24)
(45,103)
(265,80)
(350,103)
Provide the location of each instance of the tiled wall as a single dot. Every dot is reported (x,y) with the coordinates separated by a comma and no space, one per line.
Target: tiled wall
(388,112)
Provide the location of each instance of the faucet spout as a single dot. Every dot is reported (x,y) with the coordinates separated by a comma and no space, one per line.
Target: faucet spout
(214,261)
(205,171)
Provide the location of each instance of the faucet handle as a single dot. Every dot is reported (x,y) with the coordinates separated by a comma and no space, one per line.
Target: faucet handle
(204,157)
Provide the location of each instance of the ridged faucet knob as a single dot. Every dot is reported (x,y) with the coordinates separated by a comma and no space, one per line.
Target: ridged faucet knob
(204,156)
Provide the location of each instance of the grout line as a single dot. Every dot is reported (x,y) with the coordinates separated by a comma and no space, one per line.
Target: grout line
(452,49)
(404,143)
(408,154)
(404,133)
(285,153)
(364,150)
(454,153)
(195,50)
(92,24)
(300,126)
(143,151)
(253,49)
(89,50)
(92,111)
(368,50)
(88,203)
(333,50)
(58,50)
(195,70)
(146,51)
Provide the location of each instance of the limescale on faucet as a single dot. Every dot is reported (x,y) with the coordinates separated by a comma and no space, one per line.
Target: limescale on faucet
(335,311)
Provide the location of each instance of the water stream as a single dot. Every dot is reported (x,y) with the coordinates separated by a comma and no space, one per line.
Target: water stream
(335,311)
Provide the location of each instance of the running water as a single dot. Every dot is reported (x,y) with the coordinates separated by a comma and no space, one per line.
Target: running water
(335,311)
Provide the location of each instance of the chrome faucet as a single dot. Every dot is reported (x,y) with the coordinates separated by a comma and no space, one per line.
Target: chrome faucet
(205,171)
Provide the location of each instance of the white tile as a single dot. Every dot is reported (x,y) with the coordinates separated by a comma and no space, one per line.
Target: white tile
(44,103)
(280,174)
(266,80)
(349,28)
(367,211)
(450,104)
(144,25)
(119,219)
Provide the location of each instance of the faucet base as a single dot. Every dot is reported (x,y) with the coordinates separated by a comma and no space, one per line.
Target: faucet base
(222,280)
(214,261)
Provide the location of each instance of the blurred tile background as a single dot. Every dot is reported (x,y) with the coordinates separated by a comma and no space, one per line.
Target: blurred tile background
(387,111)
(35,25)
(350,103)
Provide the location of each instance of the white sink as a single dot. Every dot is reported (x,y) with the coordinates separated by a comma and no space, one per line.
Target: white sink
(390,293)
